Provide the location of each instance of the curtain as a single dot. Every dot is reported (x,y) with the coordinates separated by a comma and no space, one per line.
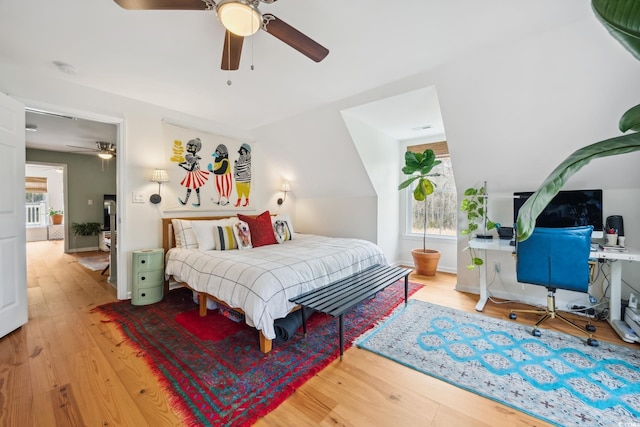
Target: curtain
(34,184)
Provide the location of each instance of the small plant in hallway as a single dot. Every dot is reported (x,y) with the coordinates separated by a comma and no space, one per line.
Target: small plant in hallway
(56,216)
(86,228)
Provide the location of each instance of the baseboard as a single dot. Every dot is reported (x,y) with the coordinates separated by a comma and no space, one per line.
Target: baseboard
(90,249)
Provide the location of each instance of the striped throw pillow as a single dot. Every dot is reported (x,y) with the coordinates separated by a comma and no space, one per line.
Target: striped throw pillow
(223,238)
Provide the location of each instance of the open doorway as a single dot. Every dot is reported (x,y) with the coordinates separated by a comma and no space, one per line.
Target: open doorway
(87,151)
(45,201)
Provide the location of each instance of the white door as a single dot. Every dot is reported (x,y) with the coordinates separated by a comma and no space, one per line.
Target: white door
(13,257)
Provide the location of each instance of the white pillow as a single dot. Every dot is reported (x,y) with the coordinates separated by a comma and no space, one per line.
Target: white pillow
(203,230)
(184,235)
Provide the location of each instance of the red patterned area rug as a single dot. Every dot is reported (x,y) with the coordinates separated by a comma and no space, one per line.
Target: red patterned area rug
(213,368)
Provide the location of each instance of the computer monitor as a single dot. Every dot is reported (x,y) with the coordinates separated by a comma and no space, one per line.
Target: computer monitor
(570,208)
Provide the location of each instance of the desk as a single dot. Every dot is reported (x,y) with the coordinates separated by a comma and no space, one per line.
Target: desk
(616,277)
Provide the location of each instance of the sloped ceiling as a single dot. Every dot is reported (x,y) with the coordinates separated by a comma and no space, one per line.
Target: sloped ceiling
(172,58)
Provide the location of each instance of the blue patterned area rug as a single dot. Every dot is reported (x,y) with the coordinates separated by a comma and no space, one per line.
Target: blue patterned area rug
(556,377)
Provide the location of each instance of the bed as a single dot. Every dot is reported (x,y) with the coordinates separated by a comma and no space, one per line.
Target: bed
(259,281)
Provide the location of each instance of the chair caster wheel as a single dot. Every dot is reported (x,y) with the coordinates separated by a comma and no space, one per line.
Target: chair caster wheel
(512,316)
(590,328)
(593,342)
(536,333)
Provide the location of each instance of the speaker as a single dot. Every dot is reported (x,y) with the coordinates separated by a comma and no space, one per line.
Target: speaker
(615,222)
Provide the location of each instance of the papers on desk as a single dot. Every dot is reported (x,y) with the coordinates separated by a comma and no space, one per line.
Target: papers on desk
(612,248)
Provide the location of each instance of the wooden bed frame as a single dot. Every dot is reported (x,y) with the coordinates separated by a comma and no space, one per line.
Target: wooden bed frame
(168,242)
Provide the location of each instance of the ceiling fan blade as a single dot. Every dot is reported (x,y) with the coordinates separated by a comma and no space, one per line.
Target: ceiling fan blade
(294,38)
(231,52)
(82,148)
(164,4)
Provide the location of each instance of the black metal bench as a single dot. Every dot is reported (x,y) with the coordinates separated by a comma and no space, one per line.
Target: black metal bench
(342,295)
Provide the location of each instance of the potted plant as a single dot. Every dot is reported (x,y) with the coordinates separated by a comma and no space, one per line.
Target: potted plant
(56,216)
(418,167)
(86,228)
(622,27)
(474,205)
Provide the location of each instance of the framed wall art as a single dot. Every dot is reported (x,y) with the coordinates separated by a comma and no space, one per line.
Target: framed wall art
(208,172)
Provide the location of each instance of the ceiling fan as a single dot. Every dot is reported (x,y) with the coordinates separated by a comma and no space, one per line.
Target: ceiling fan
(240,18)
(105,150)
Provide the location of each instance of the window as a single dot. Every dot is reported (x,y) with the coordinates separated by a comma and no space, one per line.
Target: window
(441,207)
(35,200)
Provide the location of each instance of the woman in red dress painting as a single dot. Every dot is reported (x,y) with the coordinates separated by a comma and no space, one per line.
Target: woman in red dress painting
(195,178)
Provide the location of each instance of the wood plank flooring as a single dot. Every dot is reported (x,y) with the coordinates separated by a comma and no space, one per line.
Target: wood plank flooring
(67,367)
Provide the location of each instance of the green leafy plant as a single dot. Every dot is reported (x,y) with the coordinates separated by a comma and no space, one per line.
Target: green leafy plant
(474,206)
(86,228)
(54,212)
(622,19)
(418,167)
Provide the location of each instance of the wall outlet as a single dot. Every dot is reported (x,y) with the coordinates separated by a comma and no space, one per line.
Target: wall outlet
(496,266)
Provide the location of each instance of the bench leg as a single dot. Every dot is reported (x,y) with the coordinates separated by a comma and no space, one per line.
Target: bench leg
(341,332)
(304,322)
(406,289)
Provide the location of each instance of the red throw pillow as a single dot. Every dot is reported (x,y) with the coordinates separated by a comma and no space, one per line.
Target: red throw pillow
(260,228)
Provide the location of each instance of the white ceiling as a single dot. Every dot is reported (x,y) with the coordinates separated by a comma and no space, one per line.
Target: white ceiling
(67,133)
(172,58)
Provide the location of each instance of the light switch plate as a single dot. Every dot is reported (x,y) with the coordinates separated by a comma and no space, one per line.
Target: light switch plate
(138,198)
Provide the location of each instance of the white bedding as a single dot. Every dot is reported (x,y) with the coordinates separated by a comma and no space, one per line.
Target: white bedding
(261,280)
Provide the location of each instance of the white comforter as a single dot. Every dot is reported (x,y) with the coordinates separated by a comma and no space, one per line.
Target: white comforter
(261,280)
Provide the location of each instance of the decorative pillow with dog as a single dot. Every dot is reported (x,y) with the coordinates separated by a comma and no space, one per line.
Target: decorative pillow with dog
(242,233)
(286,218)
(281,230)
(261,229)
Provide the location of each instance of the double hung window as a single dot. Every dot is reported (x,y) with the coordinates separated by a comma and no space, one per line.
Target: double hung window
(441,207)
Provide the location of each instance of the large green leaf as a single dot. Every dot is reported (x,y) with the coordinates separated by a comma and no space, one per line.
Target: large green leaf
(622,19)
(630,120)
(530,210)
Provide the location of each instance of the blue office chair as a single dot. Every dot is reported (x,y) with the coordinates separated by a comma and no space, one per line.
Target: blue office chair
(556,258)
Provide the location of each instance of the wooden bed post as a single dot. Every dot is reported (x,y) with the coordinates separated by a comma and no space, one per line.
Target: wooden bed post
(202,300)
(265,343)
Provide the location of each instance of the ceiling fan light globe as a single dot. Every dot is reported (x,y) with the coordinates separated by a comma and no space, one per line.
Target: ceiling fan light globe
(239,16)
(105,156)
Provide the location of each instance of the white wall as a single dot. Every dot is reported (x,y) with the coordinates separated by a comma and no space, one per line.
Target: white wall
(511,114)
(379,154)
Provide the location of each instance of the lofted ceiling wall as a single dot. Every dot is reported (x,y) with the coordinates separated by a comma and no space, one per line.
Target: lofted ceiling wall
(172,58)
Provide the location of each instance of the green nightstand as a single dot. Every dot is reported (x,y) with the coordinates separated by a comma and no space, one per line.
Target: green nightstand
(147,276)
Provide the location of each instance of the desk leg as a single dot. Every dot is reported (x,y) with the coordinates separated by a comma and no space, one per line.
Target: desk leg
(616,284)
(483,281)
(341,332)
(618,324)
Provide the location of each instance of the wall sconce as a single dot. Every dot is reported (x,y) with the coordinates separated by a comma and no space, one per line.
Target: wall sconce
(285,188)
(159,176)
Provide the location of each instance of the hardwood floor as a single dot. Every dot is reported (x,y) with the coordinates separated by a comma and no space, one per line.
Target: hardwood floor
(67,367)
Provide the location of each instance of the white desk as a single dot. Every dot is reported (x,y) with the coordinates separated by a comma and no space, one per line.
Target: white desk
(616,277)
